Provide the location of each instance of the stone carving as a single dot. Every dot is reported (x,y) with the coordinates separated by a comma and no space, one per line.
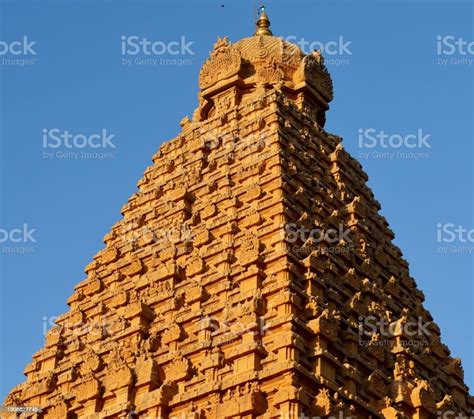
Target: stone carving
(173,333)
(89,388)
(179,369)
(224,62)
(92,362)
(59,410)
(317,74)
(323,405)
(231,320)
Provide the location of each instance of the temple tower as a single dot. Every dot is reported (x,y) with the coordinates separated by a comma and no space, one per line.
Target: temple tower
(251,274)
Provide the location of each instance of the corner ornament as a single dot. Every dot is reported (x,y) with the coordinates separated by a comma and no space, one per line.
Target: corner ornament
(224,62)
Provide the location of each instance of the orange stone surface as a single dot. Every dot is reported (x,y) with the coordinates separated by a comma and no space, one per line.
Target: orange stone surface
(208,302)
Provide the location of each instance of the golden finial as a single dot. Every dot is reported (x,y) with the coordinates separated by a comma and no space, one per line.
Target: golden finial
(263,23)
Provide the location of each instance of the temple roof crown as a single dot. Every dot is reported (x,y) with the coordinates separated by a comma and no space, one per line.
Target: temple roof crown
(263,24)
(262,61)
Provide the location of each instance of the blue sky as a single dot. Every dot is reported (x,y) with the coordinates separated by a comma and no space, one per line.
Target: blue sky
(390,78)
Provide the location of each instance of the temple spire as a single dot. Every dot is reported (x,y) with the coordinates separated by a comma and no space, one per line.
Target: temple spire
(263,24)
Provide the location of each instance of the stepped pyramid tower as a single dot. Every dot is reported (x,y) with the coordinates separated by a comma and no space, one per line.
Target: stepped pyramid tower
(251,276)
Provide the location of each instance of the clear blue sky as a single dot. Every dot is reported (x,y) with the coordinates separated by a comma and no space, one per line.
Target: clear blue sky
(391,81)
